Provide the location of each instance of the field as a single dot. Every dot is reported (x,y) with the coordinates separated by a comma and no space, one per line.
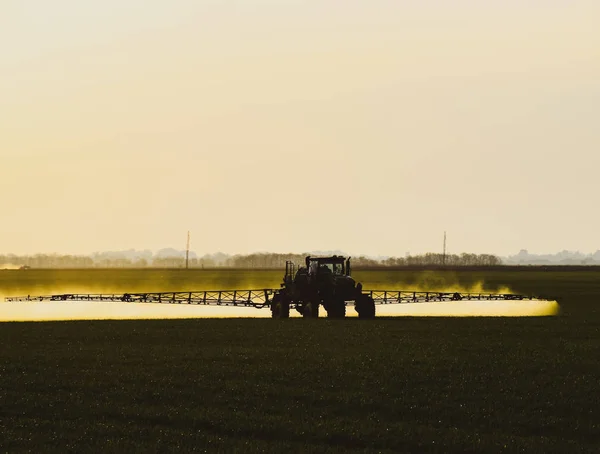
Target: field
(234,385)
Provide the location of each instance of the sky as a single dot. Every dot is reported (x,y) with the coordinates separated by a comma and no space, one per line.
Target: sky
(290,126)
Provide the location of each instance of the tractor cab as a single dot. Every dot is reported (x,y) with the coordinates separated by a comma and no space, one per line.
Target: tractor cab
(335,265)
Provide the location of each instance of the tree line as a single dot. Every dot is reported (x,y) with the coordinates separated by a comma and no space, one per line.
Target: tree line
(259,260)
(429,259)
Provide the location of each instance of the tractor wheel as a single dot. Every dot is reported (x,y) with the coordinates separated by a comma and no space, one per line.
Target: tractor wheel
(365,306)
(311,310)
(285,309)
(280,307)
(276,306)
(337,309)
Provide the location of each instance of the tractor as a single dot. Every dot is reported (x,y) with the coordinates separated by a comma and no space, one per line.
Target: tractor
(323,281)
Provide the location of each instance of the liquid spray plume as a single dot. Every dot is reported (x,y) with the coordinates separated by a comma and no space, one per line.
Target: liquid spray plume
(432,281)
(525,308)
(427,281)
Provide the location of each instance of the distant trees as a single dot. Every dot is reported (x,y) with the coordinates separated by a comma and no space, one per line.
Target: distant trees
(464,259)
(258,260)
(45,261)
(264,260)
(560,258)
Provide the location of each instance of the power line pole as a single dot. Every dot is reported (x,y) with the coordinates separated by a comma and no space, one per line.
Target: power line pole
(187,252)
(444,253)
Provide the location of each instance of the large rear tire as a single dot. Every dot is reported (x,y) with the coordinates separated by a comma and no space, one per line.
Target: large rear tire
(365,306)
(280,307)
(337,309)
(285,309)
(310,310)
(276,306)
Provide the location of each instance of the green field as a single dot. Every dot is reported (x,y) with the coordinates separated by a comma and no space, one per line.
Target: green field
(235,385)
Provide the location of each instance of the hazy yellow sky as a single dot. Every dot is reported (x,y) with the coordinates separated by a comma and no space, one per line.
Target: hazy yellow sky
(366,126)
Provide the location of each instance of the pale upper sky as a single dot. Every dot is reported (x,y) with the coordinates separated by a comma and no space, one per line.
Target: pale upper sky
(274,125)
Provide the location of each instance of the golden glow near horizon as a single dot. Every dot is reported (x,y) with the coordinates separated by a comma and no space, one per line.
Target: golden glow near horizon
(54,311)
(369,127)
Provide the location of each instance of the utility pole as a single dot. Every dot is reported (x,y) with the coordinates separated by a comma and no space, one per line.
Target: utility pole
(187,252)
(444,253)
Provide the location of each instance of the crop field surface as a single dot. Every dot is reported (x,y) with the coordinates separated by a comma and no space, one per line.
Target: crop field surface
(256,385)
